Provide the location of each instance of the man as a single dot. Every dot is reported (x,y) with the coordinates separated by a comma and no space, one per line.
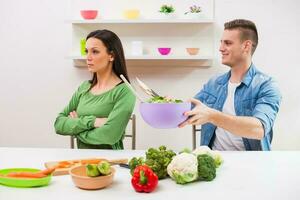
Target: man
(237,109)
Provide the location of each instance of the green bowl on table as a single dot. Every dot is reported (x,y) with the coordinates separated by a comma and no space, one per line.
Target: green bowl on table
(22,182)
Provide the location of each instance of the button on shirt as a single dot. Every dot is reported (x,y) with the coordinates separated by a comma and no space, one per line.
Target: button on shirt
(257,96)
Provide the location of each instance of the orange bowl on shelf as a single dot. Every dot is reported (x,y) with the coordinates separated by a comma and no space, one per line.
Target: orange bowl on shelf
(81,180)
(192,51)
(89,14)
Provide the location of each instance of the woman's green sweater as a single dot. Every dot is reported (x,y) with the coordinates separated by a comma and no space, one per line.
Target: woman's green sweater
(116,105)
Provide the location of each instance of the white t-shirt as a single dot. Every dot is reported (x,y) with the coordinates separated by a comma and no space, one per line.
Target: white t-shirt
(225,140)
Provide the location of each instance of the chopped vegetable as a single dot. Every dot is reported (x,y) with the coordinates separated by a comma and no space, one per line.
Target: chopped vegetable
(90,161)
(48,171)
(159,99)
(144,179)
(40,174)
(104,168)
(92,170)
(25,175)
(183,168)
(206,167)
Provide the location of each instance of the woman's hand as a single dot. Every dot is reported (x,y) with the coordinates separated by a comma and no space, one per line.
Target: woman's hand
(73,114)
(99,122)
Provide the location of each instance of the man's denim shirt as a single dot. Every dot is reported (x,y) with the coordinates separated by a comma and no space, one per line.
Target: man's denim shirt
(256,96)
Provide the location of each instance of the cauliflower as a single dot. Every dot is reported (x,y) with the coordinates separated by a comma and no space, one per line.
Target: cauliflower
(202,150)
(183,168)
(216,155)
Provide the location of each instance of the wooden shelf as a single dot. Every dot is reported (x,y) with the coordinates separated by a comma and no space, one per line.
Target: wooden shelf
(154,57)
(141,21)
(157,60)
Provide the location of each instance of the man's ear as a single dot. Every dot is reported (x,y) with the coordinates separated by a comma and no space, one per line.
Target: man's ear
(248,45)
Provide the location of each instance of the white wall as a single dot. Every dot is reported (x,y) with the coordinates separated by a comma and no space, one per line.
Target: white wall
(37,81)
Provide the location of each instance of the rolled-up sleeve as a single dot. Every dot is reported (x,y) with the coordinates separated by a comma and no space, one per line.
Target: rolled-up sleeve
(267,105)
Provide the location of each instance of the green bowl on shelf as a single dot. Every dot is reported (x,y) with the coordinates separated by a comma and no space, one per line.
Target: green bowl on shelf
(23,182)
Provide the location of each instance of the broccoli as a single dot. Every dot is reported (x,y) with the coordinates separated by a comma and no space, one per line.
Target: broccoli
(206,167)
(92,170)
(104,168)
(134,162)
(216,155)
(158,160)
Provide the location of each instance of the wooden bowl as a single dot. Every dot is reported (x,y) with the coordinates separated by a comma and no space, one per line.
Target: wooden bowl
(81,180)
(192,51)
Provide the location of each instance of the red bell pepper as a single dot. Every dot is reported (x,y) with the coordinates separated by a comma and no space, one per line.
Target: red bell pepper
(144,179)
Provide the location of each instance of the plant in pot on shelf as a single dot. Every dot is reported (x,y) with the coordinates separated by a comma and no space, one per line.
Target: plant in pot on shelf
(195,12)
(167,11)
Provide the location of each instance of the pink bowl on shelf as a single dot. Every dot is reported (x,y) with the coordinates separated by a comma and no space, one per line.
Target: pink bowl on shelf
(89,14)
(164,51)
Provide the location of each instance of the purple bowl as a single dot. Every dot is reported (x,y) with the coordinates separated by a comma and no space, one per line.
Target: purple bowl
(164,115)
(164,51)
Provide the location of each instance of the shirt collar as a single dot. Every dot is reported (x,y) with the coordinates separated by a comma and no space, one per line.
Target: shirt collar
(249,75)
(246,80)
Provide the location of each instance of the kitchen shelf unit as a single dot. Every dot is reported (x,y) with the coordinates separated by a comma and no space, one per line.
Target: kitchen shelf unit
(178,33)
(140,21)
(152,60)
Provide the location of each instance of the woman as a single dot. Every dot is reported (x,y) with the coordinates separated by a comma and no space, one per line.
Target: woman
(100,109)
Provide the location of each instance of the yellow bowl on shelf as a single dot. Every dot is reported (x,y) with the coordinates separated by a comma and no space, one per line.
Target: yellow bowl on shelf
(132,14)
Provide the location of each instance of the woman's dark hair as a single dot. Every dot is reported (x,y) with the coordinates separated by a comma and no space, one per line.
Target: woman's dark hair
(114,46)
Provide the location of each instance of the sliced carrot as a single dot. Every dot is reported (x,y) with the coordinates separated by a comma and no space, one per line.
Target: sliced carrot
(47,171)
(91,161)
(65,162)
(26,175)
(63,166)
(39,174)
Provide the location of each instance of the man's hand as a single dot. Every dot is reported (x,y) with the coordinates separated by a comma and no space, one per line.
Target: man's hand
(244,126)
(73,114)
(99,122)
(201,114)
